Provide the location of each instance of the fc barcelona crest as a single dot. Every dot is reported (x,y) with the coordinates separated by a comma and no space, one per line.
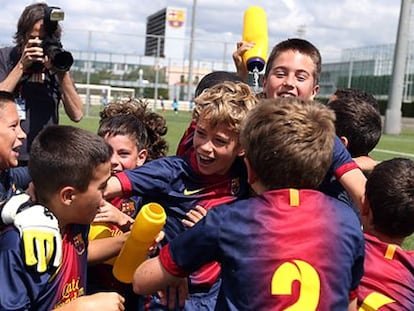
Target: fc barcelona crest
(176,18)
(235,186)
(79,244)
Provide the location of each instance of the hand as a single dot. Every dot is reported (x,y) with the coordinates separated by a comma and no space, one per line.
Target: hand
(32,52)
(242,47)
(39,229)
(194,216)
(108,301)
(174,294)
(155,247)
(109,213)
(365,163)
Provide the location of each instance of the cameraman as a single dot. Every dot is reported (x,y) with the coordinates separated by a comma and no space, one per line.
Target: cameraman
(37,89)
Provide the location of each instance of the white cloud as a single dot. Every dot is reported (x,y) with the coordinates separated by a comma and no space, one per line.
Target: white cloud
(119,25)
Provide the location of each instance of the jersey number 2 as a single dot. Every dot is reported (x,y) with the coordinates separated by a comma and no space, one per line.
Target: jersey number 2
(306,275)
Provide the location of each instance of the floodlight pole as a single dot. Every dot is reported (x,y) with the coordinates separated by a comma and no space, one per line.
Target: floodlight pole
(156,67)
(393,113)
(88,74)
(190,57)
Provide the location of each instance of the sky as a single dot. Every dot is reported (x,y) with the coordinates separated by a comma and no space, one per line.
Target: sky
(119,25)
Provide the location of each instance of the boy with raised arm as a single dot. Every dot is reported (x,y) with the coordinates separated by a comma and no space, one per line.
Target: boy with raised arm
(293,69)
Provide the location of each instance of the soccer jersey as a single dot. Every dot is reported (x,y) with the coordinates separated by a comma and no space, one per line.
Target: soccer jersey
(23,288)
(388,281)
(342,161)
(13,179)
(285,248)
(176,184)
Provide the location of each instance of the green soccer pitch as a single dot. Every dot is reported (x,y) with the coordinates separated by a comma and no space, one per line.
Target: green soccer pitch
(390,146)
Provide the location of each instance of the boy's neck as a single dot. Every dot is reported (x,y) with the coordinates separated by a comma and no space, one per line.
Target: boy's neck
(258,187)
(383,237)
(52,208)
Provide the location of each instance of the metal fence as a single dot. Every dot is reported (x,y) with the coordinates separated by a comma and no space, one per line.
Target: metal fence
(117,59)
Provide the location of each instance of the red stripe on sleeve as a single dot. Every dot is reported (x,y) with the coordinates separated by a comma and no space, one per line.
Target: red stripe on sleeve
(340,171)
(125,183)
(169,264)
(353,294)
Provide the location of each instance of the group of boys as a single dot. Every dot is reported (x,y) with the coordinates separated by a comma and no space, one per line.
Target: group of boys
(288,245)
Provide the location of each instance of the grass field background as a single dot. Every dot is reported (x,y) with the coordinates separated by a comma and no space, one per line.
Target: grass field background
(390,146)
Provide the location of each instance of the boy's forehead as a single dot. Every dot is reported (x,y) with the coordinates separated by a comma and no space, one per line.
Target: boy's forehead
(210,124)
(294,59)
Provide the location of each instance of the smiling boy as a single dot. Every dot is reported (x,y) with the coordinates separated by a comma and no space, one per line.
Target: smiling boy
(70,168)
(11,137)
(272,257)
(211,173)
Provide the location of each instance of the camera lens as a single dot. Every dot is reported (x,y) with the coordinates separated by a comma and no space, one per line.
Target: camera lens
(62,60)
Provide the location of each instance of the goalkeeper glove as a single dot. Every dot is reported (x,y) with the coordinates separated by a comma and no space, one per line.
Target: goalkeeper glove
(39,229)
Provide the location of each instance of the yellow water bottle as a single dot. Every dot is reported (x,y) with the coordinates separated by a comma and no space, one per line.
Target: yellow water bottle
(149,222)
(255,30)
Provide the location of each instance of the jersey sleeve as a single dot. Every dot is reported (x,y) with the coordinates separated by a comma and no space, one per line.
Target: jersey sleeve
(342,161)
(4,60)
(21,177)
(16,286)
(194,247)
(149,179)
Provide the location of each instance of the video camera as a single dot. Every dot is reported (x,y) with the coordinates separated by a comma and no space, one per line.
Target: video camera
(61,60)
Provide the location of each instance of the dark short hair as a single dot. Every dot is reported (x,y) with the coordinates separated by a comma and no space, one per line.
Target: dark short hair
(390,193)
(354,94)
(5,97)
(359,122)
(303,47)
(214,78)
(65,156)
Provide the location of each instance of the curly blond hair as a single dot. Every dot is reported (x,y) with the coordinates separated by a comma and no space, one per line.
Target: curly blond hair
(225,103)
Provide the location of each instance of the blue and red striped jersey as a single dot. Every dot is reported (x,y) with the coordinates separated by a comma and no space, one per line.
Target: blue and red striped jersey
(388,281)
(23,288)
(286,248)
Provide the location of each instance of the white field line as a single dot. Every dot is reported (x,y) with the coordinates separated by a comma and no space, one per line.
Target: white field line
(404,154)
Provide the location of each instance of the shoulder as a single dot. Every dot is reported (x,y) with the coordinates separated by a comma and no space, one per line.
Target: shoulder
(21,176)
(9,56)
(170,164)
(5,51)
(9,240)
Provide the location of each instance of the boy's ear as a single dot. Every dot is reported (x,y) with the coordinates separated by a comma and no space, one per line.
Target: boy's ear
(366,214)
(67,195)
(251,174)
(344,140)
(365,206)
(142,157)
(315,91)
(241,152)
